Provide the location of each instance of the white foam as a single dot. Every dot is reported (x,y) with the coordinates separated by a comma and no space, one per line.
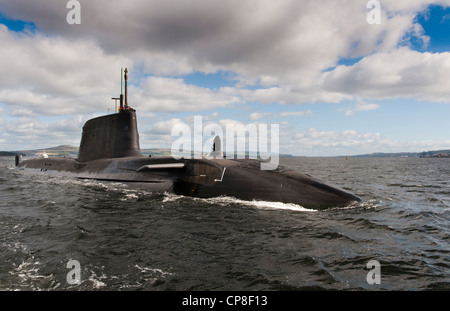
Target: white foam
(28,274)
(369,204)
(280,205)
(152,275)
(170,197)
(224,200)
(96,283)
(153,271)
(130,196)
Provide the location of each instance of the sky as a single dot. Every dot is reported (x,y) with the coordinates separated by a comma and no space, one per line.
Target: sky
(336,82)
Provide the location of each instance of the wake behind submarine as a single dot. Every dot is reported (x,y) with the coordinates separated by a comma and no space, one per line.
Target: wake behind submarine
(109,151)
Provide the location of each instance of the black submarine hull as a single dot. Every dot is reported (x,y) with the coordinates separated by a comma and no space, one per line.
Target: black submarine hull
(109,150)
(204,178)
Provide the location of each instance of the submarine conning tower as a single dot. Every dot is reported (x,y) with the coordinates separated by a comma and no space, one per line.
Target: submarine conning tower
(111,136)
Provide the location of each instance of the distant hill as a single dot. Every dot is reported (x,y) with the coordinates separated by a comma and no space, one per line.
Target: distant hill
(155,152)
(72,152)
(60,151)
(424,154)
(7,154)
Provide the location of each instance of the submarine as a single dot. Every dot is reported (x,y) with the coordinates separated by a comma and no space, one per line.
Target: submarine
(109,151)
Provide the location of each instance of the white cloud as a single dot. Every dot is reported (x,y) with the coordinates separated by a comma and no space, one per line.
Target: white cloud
(52,76)
(314,142)
(29,133)
(159,134)
(71,125)
(296,113)
(173,95)
(165,127)
(360,105)
(291,94)
(284,46)
(288,41)
(58,76)
(257,115)
(399,73)
(224,122)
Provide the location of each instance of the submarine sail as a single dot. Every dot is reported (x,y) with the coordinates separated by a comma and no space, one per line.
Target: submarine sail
(110,136)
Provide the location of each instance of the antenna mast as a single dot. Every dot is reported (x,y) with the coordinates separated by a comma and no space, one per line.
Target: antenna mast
(121,89)
(126,83)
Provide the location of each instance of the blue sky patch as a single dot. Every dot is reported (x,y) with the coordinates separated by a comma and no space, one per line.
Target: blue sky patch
(211,81)
(436,24)
(17,25)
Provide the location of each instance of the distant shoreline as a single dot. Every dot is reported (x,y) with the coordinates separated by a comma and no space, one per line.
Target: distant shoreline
(72,151)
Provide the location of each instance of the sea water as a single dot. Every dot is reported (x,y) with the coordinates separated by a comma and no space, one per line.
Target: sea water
(131,239)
